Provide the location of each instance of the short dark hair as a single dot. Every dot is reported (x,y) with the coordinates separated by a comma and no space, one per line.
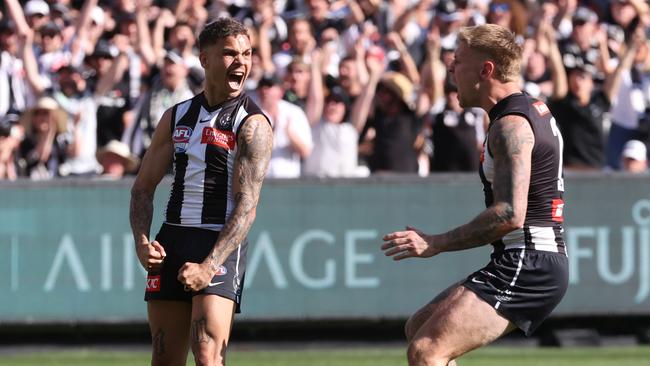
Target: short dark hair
(220,29)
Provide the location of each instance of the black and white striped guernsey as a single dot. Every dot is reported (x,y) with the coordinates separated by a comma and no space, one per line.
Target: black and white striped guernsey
(205,146)
(542,228)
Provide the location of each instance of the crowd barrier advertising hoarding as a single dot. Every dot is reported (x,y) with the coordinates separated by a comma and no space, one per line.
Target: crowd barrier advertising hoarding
(314,249)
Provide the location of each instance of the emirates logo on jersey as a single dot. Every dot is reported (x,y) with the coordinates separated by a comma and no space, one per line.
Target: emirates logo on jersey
(557,210)
(542,109)
(216,137)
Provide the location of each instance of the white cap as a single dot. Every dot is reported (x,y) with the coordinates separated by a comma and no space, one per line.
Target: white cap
(36,7)
(97,15)
(635,149)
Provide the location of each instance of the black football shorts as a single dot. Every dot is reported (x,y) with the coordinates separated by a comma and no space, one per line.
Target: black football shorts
(188,244)
(523,285)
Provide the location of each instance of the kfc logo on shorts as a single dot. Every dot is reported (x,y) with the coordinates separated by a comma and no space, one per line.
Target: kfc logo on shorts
(541,108)
(153,283)
(221,271)
(181,138)
(216,137)
(557,210)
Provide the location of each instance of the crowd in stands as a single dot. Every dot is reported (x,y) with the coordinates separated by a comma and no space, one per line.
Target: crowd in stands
(353,87)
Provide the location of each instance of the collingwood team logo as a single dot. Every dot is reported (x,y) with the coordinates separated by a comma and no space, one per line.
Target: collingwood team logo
(224,122)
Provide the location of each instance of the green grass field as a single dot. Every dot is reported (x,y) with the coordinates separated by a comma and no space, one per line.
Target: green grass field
(491,356)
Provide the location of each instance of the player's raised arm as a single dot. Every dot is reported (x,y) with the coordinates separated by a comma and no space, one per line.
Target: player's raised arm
(254,144)
(154,166)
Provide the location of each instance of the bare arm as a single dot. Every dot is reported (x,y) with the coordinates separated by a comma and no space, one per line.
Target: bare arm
(359,57)
(511,140)
(566,8)
(264,44)
(433,69)
(26,45)
(356,13)
(15,11)
(145,45)
(613,80)
(642,8)
(409,67)
(165,20)
(556,66)
(315,98)
(403,19)
(154,166)
(81,42)
(116,72)
(361,106)
(255,142)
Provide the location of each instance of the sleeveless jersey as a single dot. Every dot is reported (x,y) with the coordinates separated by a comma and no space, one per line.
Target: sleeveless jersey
(542,228)
(205,146)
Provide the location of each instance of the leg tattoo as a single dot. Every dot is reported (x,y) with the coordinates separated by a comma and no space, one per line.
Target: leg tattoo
(159,343)
(198,331)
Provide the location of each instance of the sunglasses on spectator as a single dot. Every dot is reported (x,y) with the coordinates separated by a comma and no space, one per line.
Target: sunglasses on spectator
(495,8)
(41,112)
(333,100)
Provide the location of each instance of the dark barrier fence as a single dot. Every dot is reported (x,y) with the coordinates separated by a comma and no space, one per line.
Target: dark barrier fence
(314,249)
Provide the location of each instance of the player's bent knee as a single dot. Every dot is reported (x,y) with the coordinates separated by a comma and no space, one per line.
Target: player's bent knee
(410,328)
(209,353)
(423,353)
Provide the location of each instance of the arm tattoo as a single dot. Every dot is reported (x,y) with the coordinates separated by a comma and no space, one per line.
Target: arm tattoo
(140,214)
(511,142)
(254,145)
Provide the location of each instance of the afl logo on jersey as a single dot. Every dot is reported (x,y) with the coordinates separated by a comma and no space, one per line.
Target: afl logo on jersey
(181,138)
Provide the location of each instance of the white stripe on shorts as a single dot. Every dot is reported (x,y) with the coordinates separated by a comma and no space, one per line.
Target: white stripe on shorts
(514,279)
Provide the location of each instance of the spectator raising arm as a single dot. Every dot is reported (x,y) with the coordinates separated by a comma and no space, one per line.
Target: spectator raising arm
(116,72)
(165,20)
(433,72)
(359,57)
(613,80)
(547,46)
(363,104)
(144,42)
(315,97)
(409,68)
(26,44)
(82,44)
(264,43)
